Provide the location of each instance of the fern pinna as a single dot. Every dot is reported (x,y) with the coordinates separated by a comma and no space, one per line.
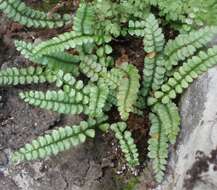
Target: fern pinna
(170,66)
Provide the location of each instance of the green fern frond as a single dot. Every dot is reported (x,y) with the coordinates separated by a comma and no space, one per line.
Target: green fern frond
(102,121)
(112,28)
(25,48)
(103,55)
(62,42)
(58,61)
(66,79)
(153,38)
(170,119)
(158,147)
(138,111)
(60,101)
(19,12)
(153,74)
(98,96)
(128,88)
(113,77)
(136,9)
(185,75)
(15,76)
(154,71)
(190,14)
(62,61)
(173,10)
(186,45)
(148,75)
(136,28)
(201,13)
(84,19)
(111,101)
(86,49)
(56,141)
(91,68)
(141,102)
(159,74)
(104,10)
(127,144)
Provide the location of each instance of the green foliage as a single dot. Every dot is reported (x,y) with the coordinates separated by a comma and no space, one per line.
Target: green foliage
(126,143)
(128,88)
(186,45)
(131,184)
(89,81)
(154,71)
(202,13)
(158,147)
(58,61)
(185,75)
(84,19)
(153,38)
(91,68)
(189,14)
(25,49)
(108,19)
(137,9)
(136,28)
(59,101)
(15,76)
(170,120)
(172,9)
(164,130)
(98,96)
(58,140)
(19,12)
(61,61)
(62,42)
(153,74)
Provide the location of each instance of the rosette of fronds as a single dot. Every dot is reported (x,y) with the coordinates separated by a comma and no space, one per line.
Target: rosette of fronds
(80,65)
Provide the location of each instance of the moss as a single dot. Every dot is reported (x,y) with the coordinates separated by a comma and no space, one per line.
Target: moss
(49,4)
(131,184)
(126,182)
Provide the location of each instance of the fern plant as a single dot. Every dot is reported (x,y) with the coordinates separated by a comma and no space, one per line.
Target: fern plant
(187,15)
(20,12)
(90,83)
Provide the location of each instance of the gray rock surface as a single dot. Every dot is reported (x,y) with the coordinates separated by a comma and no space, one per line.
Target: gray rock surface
(193,162)
(78,169)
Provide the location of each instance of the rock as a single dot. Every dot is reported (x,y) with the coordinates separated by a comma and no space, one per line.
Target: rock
(78,169)
(193,162)
(7,183)
(75,169)
(20,122)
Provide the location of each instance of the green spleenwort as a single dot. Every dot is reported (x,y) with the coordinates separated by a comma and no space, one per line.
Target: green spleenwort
(56,141)
(19,12)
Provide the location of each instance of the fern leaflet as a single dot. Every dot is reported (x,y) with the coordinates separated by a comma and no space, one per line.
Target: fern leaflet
(128,88)
(56,141)
(19,12)
(126,142)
